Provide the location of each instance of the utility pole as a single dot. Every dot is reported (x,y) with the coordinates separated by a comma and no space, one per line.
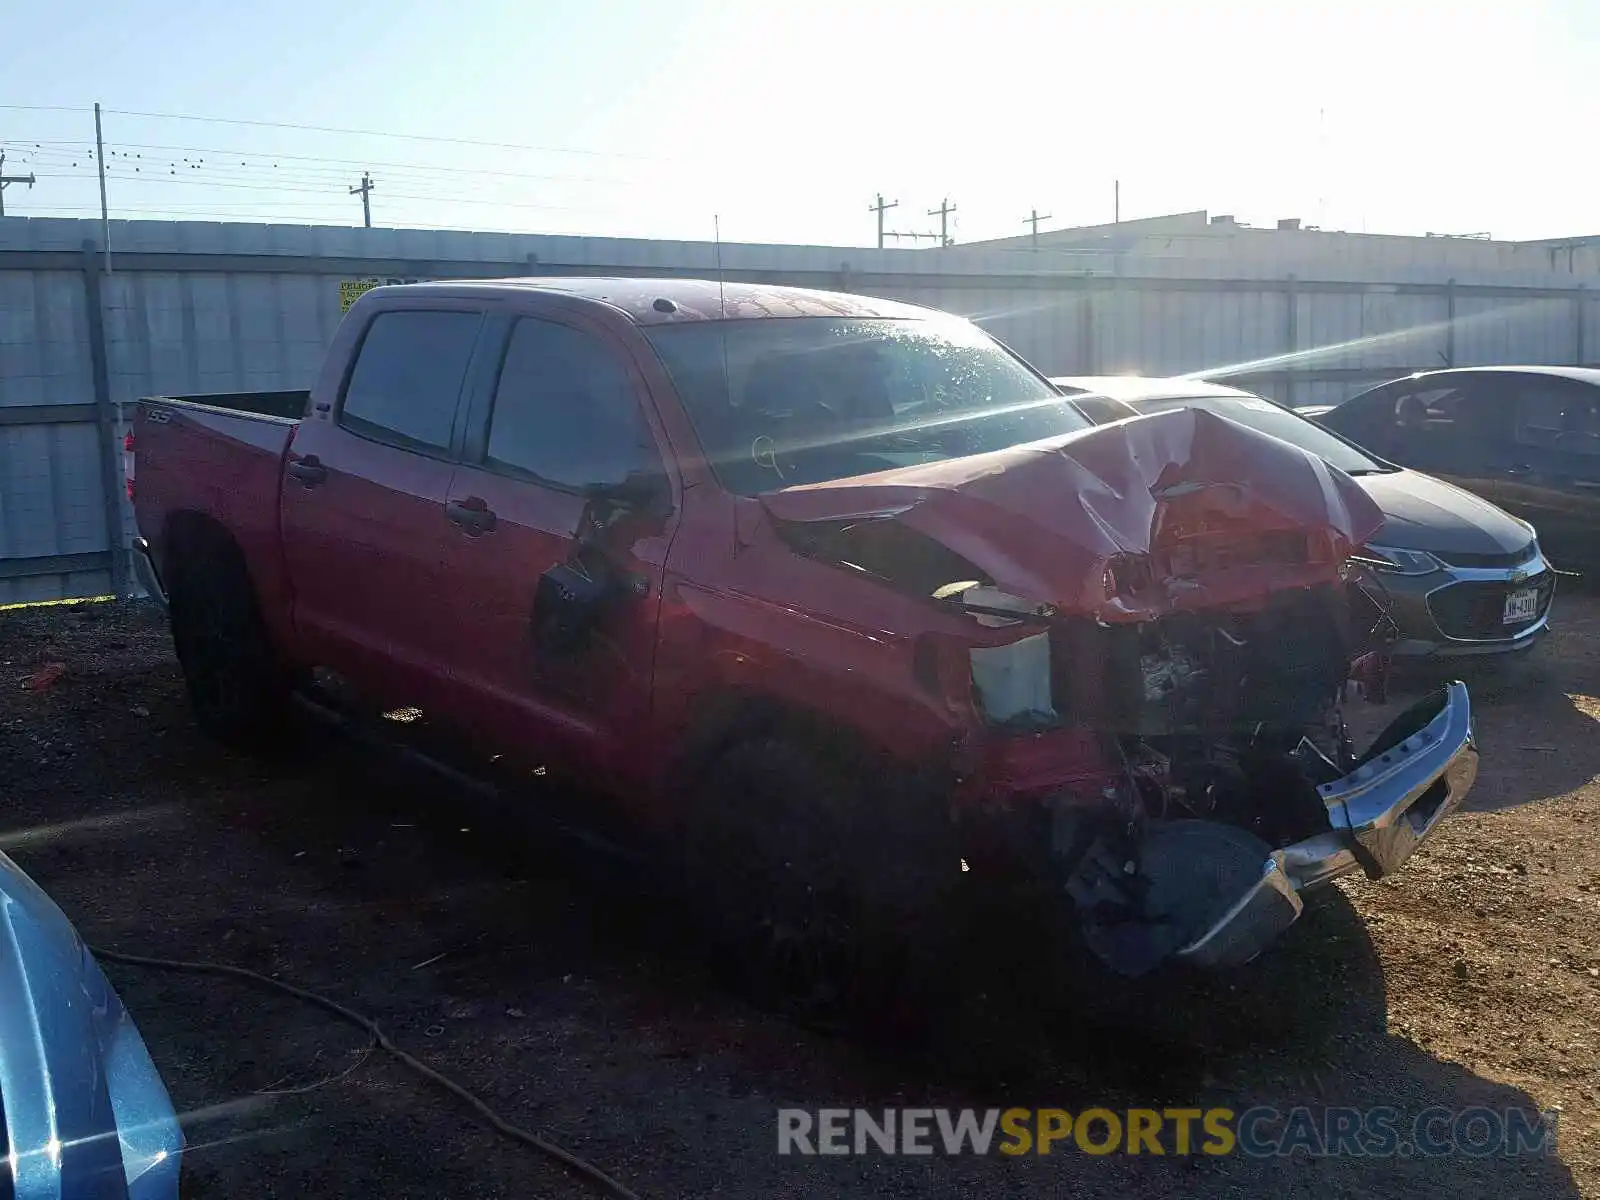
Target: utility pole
(1116,202)
(943,213)
(100,162)
(7,179)
(365,192)
(1033,218)
(880,208)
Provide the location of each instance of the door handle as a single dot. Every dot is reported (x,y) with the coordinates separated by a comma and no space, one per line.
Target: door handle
(308,470)
(473,515)
(1519,469)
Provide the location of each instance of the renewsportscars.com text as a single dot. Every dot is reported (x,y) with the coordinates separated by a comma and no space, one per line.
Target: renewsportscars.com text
(1259,1132)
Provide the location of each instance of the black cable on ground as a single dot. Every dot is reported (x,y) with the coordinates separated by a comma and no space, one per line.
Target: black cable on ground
(584,1169)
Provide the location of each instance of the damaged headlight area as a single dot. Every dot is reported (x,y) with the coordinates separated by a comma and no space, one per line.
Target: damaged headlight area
(1189,673)
(1013,683)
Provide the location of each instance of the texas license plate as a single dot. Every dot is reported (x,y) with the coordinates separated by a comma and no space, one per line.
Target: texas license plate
(1521,606)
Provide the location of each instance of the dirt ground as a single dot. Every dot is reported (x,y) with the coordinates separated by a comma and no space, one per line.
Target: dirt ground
(552,985)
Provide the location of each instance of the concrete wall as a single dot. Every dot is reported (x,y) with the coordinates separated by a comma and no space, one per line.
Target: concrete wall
(201,307)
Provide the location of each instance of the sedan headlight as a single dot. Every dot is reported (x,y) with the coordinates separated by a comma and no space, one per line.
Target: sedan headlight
(1392,560)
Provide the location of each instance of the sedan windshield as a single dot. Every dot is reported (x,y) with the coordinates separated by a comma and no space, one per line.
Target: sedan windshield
(1280,423)
(803,400)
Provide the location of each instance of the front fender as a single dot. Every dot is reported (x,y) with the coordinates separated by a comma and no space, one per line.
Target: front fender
(718,644)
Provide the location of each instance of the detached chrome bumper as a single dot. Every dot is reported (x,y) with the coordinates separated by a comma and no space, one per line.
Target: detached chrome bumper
(1379,814)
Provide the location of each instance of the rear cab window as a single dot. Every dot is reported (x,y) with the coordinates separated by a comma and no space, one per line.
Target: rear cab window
(406,384)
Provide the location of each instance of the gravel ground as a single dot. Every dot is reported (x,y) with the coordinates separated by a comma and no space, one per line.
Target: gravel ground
(555,987)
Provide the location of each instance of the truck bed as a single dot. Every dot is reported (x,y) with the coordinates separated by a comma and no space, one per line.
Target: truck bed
(194,461)
(282,403)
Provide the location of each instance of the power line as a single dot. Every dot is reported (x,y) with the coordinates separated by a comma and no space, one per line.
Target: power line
(127,165)
(201,175)
(331,190)
(410,137)
(341,165)
(345,163)
(262,175)
(334,204)
(333,220)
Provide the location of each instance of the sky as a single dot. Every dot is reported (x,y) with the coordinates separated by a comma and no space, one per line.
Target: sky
(782,121)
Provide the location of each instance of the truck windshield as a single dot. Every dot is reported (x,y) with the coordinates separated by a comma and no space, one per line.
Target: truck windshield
(785,401)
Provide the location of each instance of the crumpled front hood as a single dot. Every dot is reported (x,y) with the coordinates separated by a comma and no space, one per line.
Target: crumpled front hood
(1054,521)
(1424,513)
(85,1112)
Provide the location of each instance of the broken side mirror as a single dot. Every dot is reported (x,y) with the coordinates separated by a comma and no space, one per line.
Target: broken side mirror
(574,598)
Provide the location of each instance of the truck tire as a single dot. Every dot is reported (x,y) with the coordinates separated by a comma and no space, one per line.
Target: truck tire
(237,686)
(821,891)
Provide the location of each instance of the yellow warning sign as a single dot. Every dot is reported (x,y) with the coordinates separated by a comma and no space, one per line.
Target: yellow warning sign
(351,290)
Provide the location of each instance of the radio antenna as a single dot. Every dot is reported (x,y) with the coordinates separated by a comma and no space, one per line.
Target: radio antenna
(722,306)
(716,233)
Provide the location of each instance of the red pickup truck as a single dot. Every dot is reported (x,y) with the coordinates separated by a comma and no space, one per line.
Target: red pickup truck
(835,605)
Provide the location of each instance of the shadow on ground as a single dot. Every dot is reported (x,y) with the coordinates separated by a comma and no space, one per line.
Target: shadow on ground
(480,916)
(1539,715)
(575,1002)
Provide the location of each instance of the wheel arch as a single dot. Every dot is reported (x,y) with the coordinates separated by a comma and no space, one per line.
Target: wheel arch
(726,718)
(187,533)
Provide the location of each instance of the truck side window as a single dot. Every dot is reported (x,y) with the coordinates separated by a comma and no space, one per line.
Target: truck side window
(407,378)
(565,410)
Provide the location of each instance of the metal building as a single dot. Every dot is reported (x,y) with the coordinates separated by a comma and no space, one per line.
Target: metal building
(194,307)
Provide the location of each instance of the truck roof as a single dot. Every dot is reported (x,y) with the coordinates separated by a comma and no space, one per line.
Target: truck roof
(665,301)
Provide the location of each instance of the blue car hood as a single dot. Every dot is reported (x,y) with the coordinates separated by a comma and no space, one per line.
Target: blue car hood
(85,1112)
